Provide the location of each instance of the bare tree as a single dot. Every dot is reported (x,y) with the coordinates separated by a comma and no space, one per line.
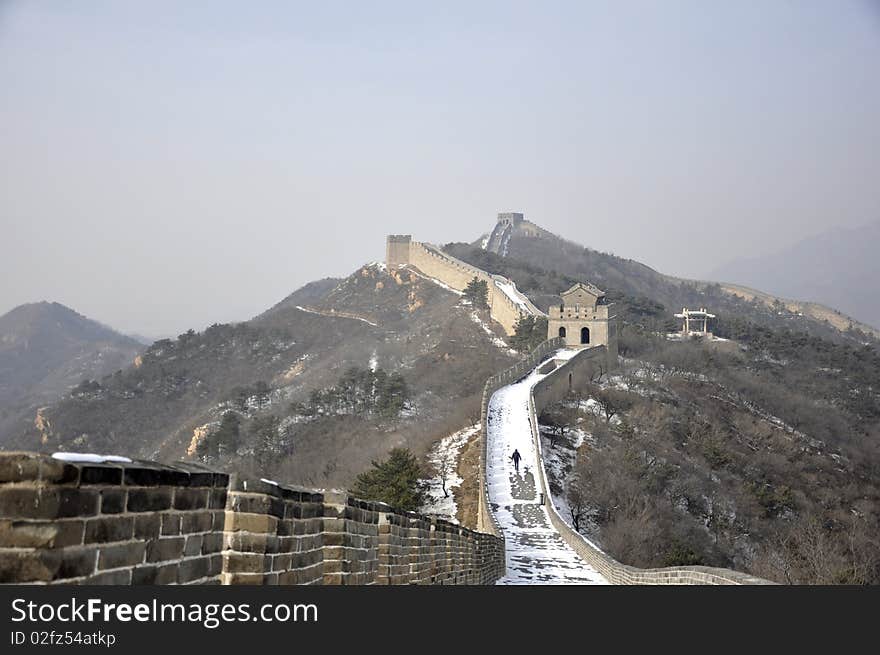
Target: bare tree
(577,503)
(445,467)
(597,372)
(611,402)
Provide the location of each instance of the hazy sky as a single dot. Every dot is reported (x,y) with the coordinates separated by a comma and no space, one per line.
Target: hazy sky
(165,166)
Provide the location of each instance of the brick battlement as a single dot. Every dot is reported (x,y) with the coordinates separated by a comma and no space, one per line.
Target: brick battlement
(435,263)
(148,523)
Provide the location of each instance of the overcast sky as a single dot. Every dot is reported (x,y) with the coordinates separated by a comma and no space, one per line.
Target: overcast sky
(164,166)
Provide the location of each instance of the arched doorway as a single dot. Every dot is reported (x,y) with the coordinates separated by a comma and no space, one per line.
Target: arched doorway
(585,335)
(562,332)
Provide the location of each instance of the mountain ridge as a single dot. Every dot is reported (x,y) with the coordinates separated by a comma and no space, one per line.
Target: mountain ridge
(837,267)
(46,348)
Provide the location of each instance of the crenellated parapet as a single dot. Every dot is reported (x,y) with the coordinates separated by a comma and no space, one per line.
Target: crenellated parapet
(138,522)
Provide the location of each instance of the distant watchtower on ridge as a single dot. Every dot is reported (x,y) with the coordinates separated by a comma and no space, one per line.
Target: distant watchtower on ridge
(511,219)
(397,250)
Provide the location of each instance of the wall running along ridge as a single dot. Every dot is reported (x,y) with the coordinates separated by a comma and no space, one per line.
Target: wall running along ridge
(148,523)
(581,368)
(433,262)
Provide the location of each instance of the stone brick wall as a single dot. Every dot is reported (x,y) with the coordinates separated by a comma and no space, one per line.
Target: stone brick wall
(397,247)
(572,374)
(413,550)
(108,523)
(457,274)
(272,534)
(147,523)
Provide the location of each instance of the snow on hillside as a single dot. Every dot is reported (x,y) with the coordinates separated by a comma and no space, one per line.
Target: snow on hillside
(559,457)
(492,336)
(334,314)
(559,460)
(440,284)
(443,458)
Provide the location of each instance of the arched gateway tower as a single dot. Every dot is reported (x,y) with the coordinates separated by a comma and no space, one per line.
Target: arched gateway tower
(584,319)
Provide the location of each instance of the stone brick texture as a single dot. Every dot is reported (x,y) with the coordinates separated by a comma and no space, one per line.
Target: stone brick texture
(182,523)
(109,523)
(433,262)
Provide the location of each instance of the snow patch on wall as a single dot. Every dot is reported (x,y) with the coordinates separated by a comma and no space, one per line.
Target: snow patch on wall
(509,289)
(90,458)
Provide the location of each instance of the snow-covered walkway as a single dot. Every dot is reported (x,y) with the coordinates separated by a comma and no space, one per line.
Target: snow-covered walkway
(536,553)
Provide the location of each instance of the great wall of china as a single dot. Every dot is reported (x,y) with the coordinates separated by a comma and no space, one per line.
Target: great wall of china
(136,522)
(575,373)
(506,303)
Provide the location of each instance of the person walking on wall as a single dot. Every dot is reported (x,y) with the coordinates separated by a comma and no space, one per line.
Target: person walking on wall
(516,457)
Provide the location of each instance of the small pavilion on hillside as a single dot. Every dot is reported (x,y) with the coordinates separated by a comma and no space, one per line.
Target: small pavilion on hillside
(695,322)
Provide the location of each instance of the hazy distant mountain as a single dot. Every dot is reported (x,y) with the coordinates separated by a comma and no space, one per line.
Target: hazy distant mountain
(146,340)
(840,268)
(46,349)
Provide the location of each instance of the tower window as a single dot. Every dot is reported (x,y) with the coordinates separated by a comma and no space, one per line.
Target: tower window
(585,335)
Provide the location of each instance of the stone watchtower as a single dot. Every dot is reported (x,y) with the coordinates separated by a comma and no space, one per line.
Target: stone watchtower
(397,248)
(584,319)
(510,218)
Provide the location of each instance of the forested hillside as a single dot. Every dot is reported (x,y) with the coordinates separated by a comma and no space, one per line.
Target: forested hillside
(311,391)
(45,350)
